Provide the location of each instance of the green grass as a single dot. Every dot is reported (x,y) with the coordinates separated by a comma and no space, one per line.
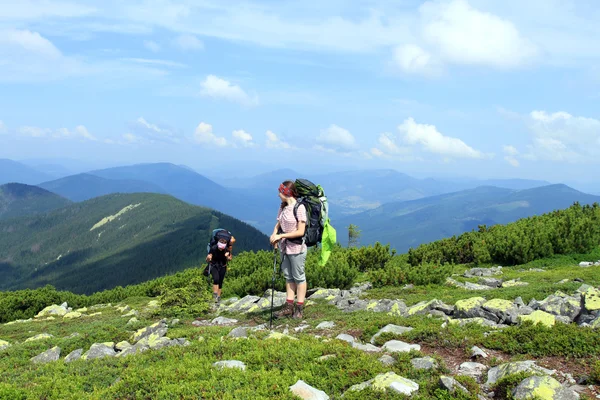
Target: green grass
(273,366)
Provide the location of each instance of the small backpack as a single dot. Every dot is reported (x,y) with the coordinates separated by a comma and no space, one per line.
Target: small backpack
(218,234)
(317,211)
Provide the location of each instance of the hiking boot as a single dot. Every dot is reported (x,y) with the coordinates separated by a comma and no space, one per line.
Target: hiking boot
(218,301)
(299,312)
(286,311)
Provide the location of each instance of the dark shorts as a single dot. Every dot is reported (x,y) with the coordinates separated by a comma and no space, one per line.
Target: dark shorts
(218,274)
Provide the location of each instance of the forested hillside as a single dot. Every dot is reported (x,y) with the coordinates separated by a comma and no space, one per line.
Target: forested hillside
(118,239)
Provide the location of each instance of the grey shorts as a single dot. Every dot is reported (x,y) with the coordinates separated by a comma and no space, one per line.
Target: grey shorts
(292,266)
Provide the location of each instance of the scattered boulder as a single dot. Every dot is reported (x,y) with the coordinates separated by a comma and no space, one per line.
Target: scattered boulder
(230,364)
(561,304)
(397,346)
(100,350)
(390,328)
(345,337)
(586,264)
(390,380)
(369,348)
(41,336)
(326,325)
(306,392)
(122,345)
(491,282)
(386,359)
(72,315)
(476,286)
(472,369)
(423,307)
(475,272)
(514,283)
(238,333)
(476,352)
(48,356)
(53,310)
(424,363)
(156,330)
(591,299)
(74,355)
(452,385)
(543,387)
(224,321)
(539,317)
(4,345)
(503,370)
(504,310)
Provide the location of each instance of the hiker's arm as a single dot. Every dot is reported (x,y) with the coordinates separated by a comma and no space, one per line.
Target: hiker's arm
(273,238)
(295,234)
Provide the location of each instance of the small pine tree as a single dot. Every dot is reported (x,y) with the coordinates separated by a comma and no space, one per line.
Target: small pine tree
(353,235)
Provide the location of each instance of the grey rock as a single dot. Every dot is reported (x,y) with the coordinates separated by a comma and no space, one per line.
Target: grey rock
(306,392)
(239,332)
(519,302)
(122,345)
(345,337)
(424,363)
(326,325)
(135,349)
(245,304)
(476,352)
(158,329)
(390,328)
(320,293)
(476,286)
(180,342)
(561,304)
(99,350)
(397,346)
(472,369)
(452,385)
(499,372)
(586,264)
(74,355)
(369,348)
(491,282)
(526,310)
(230,364)
(174,322)
(386,359)
(445,308)
(475,272)
(528,387)
(301,328)
(224,321)
(50,355)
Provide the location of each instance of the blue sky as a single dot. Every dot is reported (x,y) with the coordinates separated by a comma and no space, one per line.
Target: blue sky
(476,88)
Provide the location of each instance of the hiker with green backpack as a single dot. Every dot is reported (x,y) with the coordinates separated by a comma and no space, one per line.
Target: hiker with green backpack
(302,222)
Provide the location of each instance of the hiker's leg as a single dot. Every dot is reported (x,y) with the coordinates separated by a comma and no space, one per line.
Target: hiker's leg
(297,262)
(290,286)
(221,279)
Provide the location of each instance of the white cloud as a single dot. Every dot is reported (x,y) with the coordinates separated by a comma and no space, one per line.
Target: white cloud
(412,59)
(204,135)
(152,46)
(561,136)
(150,61)
(80,132)
(463,34)
(378,153)
(131,138)
(33,131)
(243,138)
(337,139)
(2,127)
(512,161)
(274,142)
(510,150)
(218,88)
(187,42)
(153,132)
(428,137)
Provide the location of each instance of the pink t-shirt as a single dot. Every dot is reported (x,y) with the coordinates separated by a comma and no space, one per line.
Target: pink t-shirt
(288,224)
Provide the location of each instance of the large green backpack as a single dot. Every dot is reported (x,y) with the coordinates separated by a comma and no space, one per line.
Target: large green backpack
(317,211)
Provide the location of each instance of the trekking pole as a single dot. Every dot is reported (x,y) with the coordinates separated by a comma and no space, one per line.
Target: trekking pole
(273,286)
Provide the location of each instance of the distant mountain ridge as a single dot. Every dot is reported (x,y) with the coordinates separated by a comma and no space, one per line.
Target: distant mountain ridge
(13,171)
(17,199)
(83,187)
(408,224)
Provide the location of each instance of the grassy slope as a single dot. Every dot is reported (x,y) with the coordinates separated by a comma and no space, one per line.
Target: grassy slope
(272,366)
(159,236)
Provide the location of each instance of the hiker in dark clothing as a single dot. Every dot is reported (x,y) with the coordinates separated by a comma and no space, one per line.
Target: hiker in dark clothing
(217,258)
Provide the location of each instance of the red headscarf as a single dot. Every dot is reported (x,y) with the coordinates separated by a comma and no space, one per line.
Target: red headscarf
(286,191)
